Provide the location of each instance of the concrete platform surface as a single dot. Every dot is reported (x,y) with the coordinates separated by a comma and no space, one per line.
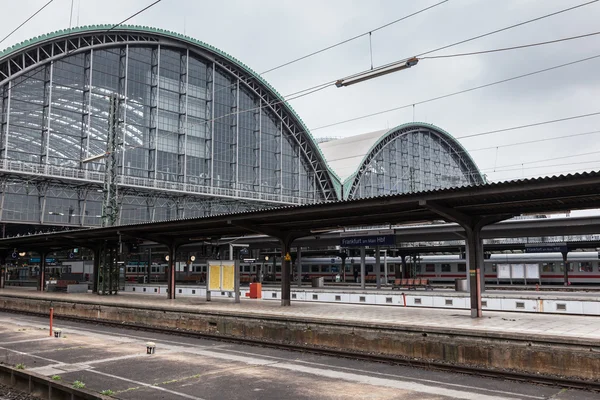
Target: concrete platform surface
(518,326)
(187,368)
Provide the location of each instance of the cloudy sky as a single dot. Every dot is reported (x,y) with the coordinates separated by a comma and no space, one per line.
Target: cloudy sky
(267,33)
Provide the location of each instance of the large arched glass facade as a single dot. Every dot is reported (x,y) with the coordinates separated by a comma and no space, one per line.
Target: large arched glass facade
(411,158)
(197,132)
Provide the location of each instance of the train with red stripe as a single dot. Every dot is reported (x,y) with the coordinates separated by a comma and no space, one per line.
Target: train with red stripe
(583,268)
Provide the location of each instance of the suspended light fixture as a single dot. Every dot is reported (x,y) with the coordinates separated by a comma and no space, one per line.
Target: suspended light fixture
(377,72)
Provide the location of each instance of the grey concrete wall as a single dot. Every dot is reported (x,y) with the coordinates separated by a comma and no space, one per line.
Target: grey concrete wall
(491,350)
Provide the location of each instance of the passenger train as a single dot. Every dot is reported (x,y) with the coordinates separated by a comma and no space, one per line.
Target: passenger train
(583,267)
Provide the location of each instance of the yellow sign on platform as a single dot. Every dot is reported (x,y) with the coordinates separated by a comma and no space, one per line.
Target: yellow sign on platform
(287,257)
(214,275)
(222,276)
(228,271)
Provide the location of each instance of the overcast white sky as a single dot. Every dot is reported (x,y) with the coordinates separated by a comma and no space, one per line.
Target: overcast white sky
(266,33)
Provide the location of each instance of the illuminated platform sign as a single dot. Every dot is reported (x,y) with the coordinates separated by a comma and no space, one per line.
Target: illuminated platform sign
(373,240)
(546,248)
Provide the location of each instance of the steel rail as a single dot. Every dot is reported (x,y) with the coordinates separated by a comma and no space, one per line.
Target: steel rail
(579,384)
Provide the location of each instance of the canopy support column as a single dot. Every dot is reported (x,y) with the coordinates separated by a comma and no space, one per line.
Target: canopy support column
(472,224)
(42,282)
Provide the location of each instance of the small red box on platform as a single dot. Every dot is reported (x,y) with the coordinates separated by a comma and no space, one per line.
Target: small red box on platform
(255,290)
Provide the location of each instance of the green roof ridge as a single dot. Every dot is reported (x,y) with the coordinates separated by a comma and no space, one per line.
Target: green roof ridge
(89,28)
(347,182)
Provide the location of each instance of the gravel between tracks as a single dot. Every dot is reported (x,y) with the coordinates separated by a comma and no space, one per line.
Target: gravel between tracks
(8,393)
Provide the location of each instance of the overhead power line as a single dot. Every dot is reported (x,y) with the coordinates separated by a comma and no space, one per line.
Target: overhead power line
(507,28)
(513,47)
(455,93)
(352,38)
(26,21)
(476,37)
(533,141)
(552,121)
(499,168)
(134,15)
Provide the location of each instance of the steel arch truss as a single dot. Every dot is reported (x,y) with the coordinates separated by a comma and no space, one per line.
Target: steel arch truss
(411,157)
(46,50)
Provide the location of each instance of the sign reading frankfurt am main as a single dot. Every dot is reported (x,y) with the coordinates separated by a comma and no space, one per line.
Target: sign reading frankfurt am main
(373,237)
(359,241)
(546,248)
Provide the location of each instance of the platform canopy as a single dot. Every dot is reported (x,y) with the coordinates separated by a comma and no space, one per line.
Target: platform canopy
(502,200)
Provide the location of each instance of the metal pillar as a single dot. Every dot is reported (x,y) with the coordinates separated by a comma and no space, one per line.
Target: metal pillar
(343,257)
(171,278)
(474,257)
(285,272)
(2,276)
(362,267)
(299,265)
(149,271)
(403,273)
(474,246)
(378,267)
(42,283)
(110,209)
(566,268)
(96,270)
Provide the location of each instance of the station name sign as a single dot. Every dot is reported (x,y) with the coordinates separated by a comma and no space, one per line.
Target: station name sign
(374,238)
(550,248)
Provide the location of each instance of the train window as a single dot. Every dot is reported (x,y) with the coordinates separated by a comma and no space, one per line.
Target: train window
(278,268)
(462,267)
(569,264)
(494,268)
(314,268)
(548,267)
(429,267)
(246,268)
(585,266)
(335,269)
(348,268)
(446,268)
(369,268)
(418,268)
(305,268)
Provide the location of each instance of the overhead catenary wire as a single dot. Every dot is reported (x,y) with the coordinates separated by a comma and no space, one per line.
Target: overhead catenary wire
(552,121)
(353,38)
(475,38)
(500,167)
(26,21)
(507,28)
(534,141)
(455,93)
(473,53)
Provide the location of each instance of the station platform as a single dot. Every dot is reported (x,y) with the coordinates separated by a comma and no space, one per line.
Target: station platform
(555,327)
(565,345)
(547,302)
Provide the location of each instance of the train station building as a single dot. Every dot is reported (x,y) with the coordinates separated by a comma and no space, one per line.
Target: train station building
(117,126)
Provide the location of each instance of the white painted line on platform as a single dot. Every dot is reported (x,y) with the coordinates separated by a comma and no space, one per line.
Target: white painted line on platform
(29,354)
(187,396)
(389,383)
(28,340)
(394,376)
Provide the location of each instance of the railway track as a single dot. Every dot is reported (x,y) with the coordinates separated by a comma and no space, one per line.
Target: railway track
(392,360)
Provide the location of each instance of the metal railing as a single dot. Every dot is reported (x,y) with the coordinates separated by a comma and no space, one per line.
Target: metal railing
(71,173)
